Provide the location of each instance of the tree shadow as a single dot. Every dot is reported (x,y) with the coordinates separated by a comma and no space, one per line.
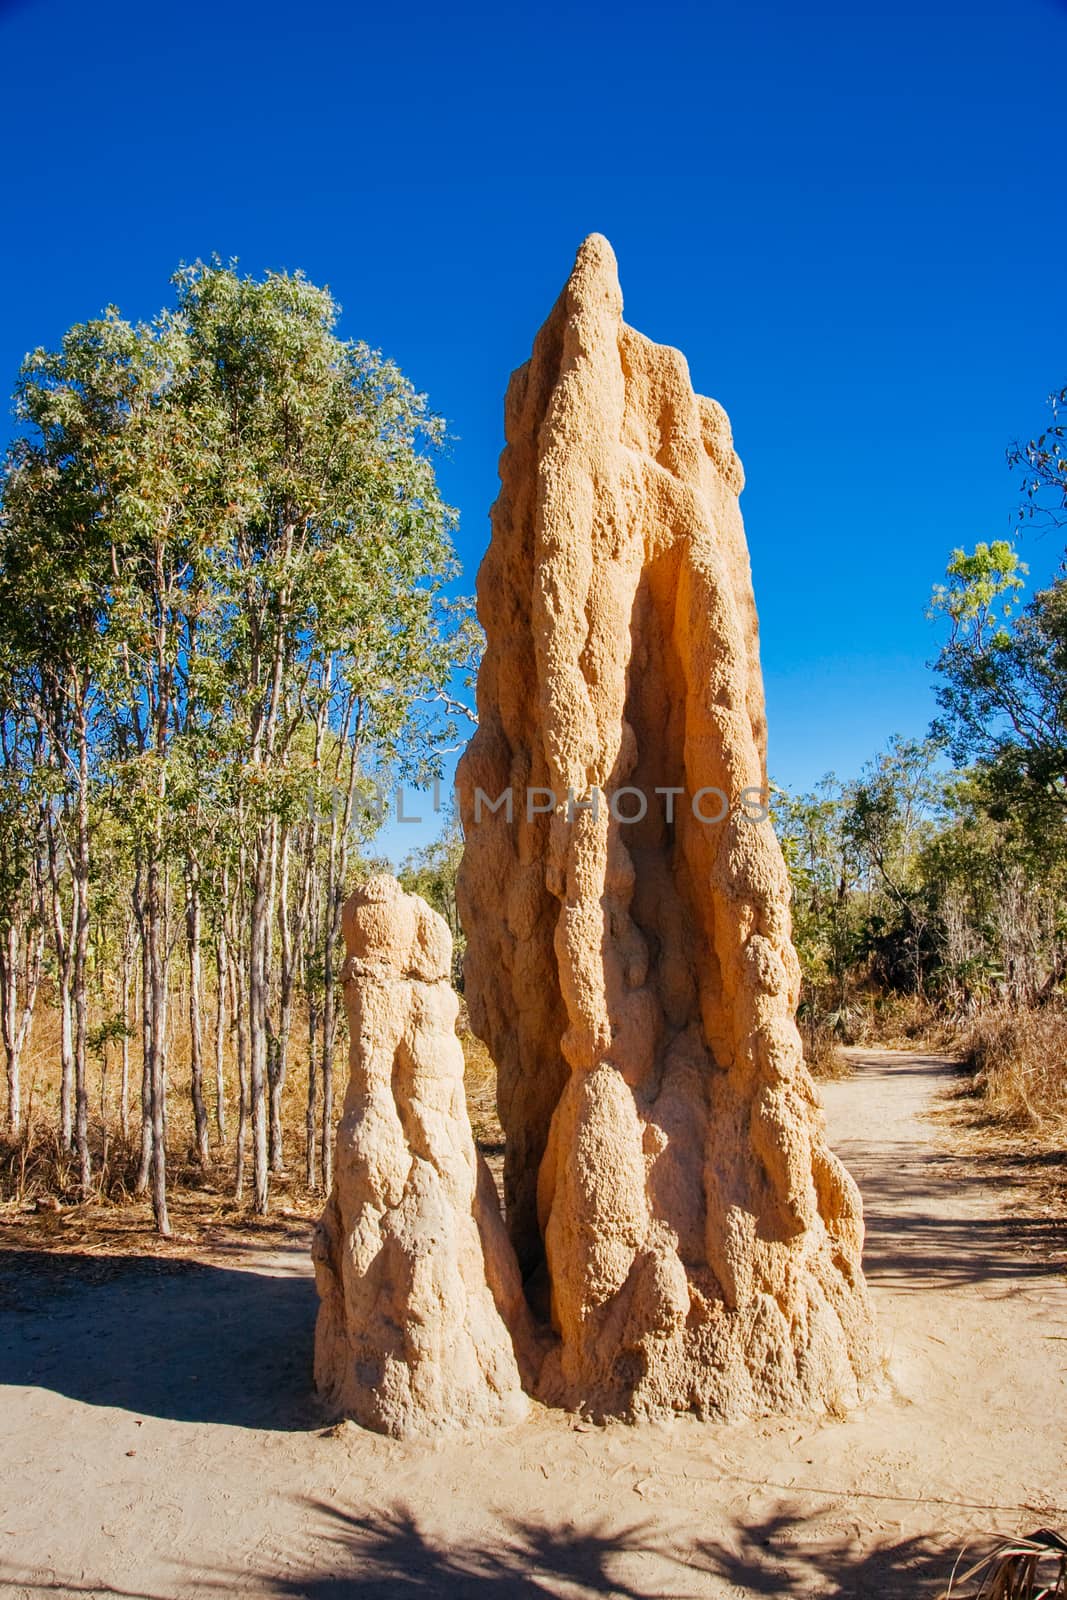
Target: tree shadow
(387,1555)
(913,1246)
(785,1555)
(926,1225)
(167,1338)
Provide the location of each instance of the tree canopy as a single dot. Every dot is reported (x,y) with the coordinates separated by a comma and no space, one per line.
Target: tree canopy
(226,564)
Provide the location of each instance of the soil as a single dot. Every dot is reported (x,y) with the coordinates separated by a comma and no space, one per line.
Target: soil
(161,1438)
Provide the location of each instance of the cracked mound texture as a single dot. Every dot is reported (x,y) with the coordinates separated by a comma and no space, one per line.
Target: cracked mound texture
(416,1276)
(667,1187)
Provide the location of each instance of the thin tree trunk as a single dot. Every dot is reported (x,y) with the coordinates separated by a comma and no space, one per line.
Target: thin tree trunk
(157,1063)
(66,1060)
(313,897)
(291,926)
(9,997)
(196,1053)
(81,953)
(240,1017)
(257,1010)
(329,1030)
(124,1088)
(220,1029)
(144,1170)
(311,1169)
(340,833)
(9,973)
(61,940)
(235,948)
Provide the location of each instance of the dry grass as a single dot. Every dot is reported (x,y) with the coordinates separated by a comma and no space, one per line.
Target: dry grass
(903,1021)
(1019,1064)
(823,1032)
(822,1051)
(479,1080)
(39,1200)
(1018,1569)
(896,1022)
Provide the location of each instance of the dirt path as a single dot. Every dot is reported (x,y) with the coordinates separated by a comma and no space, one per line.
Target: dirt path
(158,1437)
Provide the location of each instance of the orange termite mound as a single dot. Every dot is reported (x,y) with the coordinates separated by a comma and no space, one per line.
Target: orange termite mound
(675,1211)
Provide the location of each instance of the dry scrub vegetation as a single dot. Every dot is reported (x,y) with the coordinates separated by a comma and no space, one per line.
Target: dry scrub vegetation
(1019,1063)
(39,1177)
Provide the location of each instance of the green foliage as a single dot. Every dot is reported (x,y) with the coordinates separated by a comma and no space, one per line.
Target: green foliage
(1003,689)
(827,918)
(860,906)
(952,886)
(915,880)
(980,586)
(225,566)
(1004,706)
(216,526)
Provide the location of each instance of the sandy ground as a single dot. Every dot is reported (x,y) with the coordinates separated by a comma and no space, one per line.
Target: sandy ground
(159,1437)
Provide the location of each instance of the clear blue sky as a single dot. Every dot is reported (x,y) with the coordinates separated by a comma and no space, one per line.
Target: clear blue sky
(851,219)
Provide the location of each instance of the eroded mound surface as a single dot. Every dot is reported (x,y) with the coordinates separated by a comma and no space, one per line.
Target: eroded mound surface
(668,1190)
(416,1277)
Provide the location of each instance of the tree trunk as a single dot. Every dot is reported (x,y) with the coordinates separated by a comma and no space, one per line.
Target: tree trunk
(9,998)
(340,833)
(220,1031)
(257,1011)
(241,1017)
(313,907)
(196,1052)
(144,1170)
(61,941)
(157,1063)
(124,1088)
(311,1169)
(81,953)
(329,1030)
(66,1060)
(291,924)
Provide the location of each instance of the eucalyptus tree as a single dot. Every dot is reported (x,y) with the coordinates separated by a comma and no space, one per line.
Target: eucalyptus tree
(57,569)
(22,883)
(1003,688)
(1042,464)
(224,557)
(326,560)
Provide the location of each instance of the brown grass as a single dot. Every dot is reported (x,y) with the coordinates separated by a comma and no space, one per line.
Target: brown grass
(902,1021)
(479,1080)
(821,1040)
(1034,1568)
(1019,1063)
(822,1051)
(37,1174)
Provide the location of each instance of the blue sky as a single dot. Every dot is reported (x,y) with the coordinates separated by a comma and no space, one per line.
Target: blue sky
(850,218)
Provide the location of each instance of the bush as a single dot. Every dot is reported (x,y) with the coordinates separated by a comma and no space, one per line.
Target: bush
(479,1082)
(822,1035)
(1019,1062)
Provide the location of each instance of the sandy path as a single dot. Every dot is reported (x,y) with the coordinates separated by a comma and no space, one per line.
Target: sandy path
(158,1437)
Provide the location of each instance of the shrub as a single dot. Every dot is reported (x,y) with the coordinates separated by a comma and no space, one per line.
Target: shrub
(1019,1062)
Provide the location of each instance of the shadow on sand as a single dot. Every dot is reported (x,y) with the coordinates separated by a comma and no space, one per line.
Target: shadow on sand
(166,1338)
(926,1219)
(387,1556)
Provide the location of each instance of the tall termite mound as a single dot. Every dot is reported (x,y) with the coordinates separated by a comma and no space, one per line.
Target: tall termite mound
(422,1323)
(635,981)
